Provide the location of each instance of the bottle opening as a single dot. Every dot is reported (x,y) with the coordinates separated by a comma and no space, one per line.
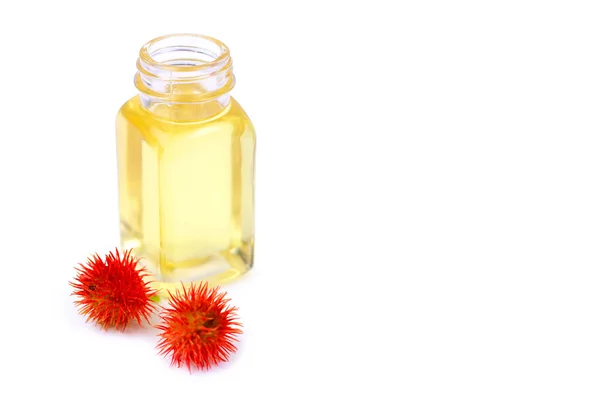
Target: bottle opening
(184,50)
(185,68)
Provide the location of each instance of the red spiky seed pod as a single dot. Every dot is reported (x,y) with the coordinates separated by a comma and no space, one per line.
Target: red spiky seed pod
(112,292)
(198,327)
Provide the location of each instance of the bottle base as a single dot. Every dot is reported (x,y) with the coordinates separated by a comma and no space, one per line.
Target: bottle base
(216,269)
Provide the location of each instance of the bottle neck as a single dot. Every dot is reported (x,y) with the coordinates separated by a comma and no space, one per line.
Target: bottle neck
(184,77)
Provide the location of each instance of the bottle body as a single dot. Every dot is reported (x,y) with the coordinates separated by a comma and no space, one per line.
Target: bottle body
(186,188)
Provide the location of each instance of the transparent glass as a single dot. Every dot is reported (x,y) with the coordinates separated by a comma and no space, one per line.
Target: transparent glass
(186,165)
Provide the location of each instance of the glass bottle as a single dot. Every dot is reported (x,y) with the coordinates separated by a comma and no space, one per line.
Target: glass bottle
(185,152)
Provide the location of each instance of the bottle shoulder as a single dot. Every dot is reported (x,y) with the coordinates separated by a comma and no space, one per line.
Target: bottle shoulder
(133,109)
(133,116)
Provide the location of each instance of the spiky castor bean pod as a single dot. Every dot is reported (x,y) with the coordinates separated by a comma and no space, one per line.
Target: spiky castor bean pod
(112,292)
(198,327)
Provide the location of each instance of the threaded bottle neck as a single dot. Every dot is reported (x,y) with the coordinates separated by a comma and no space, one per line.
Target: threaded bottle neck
(184,76)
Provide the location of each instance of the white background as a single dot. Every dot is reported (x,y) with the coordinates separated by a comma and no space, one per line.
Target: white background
(428,199)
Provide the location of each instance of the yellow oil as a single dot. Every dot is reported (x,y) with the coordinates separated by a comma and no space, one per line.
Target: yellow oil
(186,190)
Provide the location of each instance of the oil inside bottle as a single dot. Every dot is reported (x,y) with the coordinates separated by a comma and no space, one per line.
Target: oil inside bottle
(186,190)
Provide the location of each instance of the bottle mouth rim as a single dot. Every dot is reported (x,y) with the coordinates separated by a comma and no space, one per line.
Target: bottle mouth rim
(149,51)
(184,68)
